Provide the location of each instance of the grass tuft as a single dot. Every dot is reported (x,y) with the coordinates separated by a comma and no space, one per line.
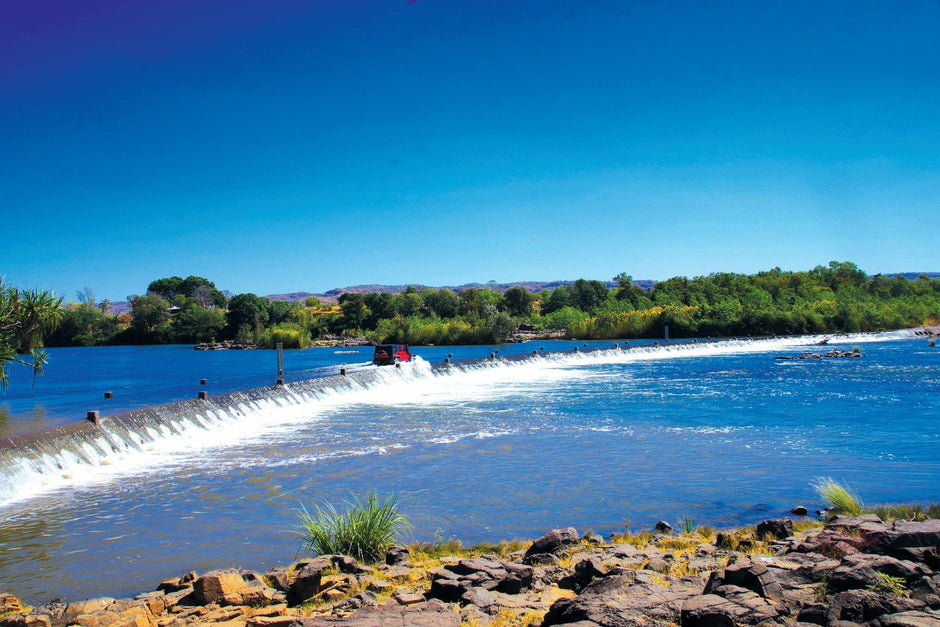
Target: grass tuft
(686,524)
(364,531)
(889,586)
(840,499)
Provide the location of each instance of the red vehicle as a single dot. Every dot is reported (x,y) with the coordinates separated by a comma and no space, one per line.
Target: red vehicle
(389,354)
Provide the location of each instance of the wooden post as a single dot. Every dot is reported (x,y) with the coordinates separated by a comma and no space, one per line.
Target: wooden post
(93,417)
(202,395)
(280,359)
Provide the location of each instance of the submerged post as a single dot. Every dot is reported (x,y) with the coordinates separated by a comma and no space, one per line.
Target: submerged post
(342,371)
(93,417)
(667,332)
(202,395)
(108,394)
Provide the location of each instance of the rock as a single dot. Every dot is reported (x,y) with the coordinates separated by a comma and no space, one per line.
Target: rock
(778,528)
(397,555)
(860,571)
(214,586)
(121,613)
(553,541)
(709,610)
(278,579)
(663,527)
(10,604)
(448,590)
(592,538)
(90,606)
(518,578)
(307,583)
(617,600)
(862,606)
(905,534)
(407,597)
(429,614)
(800,511)
(747,574)
(926,618)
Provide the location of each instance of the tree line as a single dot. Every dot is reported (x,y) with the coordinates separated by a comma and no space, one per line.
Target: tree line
(836,298)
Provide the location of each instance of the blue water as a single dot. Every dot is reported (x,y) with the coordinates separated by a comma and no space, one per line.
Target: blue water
(721,432)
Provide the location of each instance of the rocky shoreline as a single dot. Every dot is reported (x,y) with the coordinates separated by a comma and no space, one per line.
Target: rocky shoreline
(851,571)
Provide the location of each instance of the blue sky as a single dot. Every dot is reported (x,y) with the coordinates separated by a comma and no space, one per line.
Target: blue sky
(304,145)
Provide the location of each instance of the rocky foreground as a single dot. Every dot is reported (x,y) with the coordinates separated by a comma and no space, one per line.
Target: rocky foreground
(852,571)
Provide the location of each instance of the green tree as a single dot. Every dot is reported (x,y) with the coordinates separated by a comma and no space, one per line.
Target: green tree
(409,302)
(588,295)
(26,317)
(198,324)
(518,301)
(150,314)
(443,303)
(84,325)
(355,312)
(246,311)
(202,289)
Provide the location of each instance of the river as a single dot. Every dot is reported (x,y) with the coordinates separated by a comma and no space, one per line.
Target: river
(722,432)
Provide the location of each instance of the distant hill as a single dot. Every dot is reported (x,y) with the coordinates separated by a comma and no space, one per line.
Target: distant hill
(913,276)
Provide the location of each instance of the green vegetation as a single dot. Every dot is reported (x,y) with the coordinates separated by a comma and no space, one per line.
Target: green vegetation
(889,585)
(26,317)
(843,501)
(906,512)
(364,531)
(839,498)
(686,524)
(827,299)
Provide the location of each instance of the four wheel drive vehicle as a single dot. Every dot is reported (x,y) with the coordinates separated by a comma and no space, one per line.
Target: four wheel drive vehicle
(388,354)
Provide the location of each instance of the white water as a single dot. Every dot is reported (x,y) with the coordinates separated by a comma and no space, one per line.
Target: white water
(180,440)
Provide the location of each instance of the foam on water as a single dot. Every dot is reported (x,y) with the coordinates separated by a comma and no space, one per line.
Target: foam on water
(126,449)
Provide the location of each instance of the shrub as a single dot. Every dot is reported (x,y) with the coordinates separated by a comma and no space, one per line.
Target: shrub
(364,531)
(889,585)
(289,334)
(686,524)
(840,499)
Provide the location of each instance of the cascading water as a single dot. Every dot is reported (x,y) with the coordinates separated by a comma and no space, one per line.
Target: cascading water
(85,452)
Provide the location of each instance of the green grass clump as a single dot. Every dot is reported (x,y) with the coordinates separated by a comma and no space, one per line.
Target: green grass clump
(889,586)
(840,499)
(364,531)
(686,524)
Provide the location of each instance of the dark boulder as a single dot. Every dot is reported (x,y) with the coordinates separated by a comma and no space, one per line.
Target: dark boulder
(778,528)
(663,527)
(747,574)
(553,541)
(861,571)
(862,606)
(397,555)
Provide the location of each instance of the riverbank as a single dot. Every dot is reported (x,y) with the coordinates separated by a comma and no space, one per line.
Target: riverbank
(849,571)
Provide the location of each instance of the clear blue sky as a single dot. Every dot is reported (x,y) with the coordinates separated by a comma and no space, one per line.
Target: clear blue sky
(301,145)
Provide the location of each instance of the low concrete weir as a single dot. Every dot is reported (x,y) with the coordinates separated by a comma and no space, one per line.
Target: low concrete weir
(45,456)
(207,404)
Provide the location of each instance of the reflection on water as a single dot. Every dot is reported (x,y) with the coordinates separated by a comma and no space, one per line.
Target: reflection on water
(34,420)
